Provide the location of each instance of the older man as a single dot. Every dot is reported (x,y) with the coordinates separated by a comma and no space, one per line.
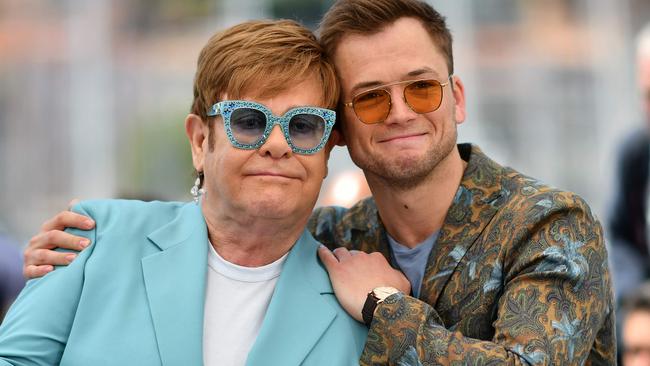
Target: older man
(232,278)
(504,269)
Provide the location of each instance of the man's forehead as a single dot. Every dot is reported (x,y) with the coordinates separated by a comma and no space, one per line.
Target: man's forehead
(401,50)
(260,89)
(363,73)
(417,73)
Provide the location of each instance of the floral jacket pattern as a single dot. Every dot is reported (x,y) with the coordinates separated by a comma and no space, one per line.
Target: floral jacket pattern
(518,276)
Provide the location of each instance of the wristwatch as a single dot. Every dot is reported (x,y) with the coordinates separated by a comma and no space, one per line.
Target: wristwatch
(375,297)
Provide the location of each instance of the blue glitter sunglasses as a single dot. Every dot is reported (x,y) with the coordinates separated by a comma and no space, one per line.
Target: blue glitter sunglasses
(249,124)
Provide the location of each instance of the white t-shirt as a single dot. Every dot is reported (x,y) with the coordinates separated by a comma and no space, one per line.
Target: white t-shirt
(236,301)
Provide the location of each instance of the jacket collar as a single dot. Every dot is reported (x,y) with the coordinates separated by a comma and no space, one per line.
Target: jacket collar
(175,286)
(298,315)
(478,198)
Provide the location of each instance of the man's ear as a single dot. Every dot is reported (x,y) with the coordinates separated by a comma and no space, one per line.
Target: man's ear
(197,132)
(459,100)
(340,141)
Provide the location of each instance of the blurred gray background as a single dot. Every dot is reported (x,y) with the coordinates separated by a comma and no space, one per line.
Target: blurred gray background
(93,93)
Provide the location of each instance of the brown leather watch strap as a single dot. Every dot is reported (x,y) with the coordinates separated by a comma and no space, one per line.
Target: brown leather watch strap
(369,307)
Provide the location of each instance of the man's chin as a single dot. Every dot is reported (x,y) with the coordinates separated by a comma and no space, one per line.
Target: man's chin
(406,172)
(272,209)
(408,166)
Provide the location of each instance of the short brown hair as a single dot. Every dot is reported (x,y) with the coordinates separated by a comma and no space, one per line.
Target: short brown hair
(264,58)
(371,16)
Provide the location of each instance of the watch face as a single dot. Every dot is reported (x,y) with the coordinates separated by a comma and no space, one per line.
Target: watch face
(383,292)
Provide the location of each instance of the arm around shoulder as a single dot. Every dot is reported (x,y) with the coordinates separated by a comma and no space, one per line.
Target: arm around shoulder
(323,225)
(37,326)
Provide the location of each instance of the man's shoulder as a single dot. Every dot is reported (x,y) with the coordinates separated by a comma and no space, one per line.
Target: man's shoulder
(512,192)
(537,220)
(128,230)
(128,218)
(527,194)
(104,209)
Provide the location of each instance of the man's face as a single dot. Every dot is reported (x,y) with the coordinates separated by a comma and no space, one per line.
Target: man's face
(407,146)
(636,339)
(271,182)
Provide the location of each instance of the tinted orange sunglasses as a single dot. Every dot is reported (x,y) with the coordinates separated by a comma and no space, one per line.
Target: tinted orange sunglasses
(422,96)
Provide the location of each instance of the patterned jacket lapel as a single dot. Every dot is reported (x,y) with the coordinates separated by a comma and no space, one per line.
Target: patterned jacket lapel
(478,198)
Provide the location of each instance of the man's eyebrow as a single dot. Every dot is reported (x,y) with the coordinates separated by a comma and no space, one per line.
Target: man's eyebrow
(423,70)
(374,83)
(364,85)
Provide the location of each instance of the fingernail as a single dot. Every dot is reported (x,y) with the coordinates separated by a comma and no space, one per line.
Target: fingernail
(84,243)
(70,257)
(89,223)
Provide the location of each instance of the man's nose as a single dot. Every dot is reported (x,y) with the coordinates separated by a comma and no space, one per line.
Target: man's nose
(400,111)
(276,145)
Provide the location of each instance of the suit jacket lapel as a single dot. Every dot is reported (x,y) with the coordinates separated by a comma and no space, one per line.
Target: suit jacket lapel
(477,200)
(175,284)
(297,315)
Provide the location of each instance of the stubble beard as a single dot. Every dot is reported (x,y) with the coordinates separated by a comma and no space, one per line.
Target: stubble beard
(405,173)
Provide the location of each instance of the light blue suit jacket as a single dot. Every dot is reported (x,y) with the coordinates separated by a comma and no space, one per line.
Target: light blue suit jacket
(136,297)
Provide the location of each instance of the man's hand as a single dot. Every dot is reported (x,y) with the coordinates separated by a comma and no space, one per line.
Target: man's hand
(40,257)
(354,274)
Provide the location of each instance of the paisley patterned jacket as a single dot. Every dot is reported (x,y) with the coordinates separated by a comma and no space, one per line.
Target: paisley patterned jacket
(518,276)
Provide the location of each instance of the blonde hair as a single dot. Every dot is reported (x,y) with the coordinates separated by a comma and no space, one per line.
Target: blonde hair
(260,59)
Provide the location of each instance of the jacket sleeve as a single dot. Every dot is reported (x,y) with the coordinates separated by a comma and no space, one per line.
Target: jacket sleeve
(556,298)
(322,225)
(36,328)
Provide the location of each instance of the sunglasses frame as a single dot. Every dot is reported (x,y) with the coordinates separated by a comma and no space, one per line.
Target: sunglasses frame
(390,100)
(227,107)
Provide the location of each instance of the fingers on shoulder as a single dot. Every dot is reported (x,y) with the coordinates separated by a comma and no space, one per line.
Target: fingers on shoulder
(34,271)
(68,219)
(39,257)
(56,239)
(327,257)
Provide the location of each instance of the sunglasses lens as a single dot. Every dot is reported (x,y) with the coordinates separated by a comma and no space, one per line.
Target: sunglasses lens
(423,96)
(372,106)
(247,125)
(306,130)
